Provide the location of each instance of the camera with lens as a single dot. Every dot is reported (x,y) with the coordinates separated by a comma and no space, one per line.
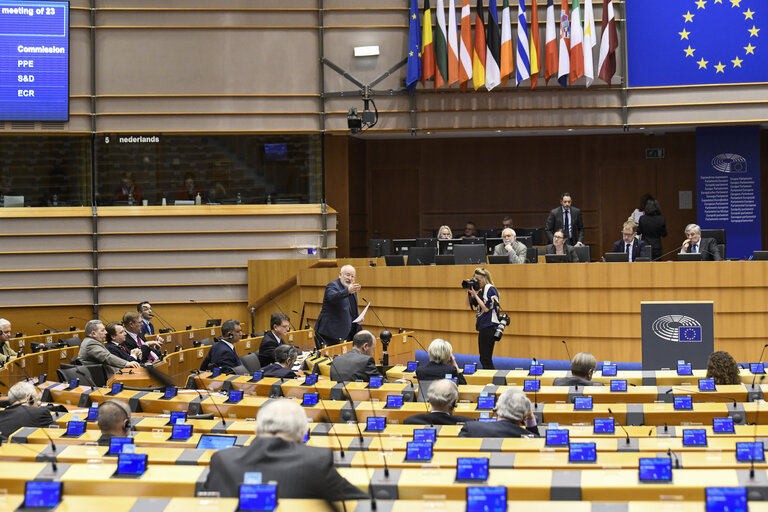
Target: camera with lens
(471,283)
(503,323)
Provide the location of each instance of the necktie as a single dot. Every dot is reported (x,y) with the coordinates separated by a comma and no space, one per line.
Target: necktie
(695,247)
(566,224)
(626,250)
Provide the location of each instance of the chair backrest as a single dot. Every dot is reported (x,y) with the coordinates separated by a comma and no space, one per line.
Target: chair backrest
(71,342)
(423,390)
(582,251)
(96,374)
(717,234)
(251,362)
(469,254)
(421,256)
(205,341)
(532,255)
(394,261)
(444,259)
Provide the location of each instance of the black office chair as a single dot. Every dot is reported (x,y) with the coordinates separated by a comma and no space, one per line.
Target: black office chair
(719,236)
(582,251)
(71,342)
(251,362)
(532,255)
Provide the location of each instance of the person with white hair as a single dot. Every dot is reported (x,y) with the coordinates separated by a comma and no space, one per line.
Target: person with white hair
(278,453)
(441,363)
(23,410)
(514,418)
(335,321)
(510,247)
(693,242)
(6,352)
(443,395)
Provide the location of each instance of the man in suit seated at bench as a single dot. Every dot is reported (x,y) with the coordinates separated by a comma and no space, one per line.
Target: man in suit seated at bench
(223,354)
(116,343)
(443,395)
(515,419)
(93,351)
(282,368)
(278,453)
(358,363)
(23,410)
(114,420)
(582,368)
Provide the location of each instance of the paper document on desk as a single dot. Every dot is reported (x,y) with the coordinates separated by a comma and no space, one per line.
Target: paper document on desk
(359,319)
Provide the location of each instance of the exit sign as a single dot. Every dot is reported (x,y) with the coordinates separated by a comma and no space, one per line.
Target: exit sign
(654,153)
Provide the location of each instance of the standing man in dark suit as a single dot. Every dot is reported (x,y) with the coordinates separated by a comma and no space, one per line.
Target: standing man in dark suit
(334,323)
(515,419)
(567,218)
(278,453)
(280,325)
(223,354)
(443,395)
(23,410)
(629,243)
(145,310)
(358,363)
(707,247)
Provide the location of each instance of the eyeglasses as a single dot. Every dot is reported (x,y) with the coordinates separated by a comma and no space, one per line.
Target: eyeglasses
(627,234)
(558,236)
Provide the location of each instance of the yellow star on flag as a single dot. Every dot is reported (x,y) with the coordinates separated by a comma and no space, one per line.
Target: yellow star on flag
(684,34)
(718,1)
(720,67)
(701,4)
(737,62)
(689,51)
(410,54)
(735,3)
(748,14)
(688,17)
(750,49)
(702,63)
(413,17)
(753,31)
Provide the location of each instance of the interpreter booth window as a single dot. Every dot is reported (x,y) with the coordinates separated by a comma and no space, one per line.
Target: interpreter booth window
(45,170)
(145,169)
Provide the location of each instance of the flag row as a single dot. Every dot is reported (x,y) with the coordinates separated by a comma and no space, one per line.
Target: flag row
(448,54)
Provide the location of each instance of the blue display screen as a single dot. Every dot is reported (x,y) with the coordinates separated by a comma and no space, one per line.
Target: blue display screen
(34,61)
(418,450)
(257,376)
(487,499)
(375,423)
(394,401)
(131,463)
(604,426)
(683,403)
(411,366)
(488,420)
(470,368)
(182,431)
(582,452)
(684,369)
(214,442)
(655,469)
(375,382)
(471,468)
(486,402)
(310,379)
(536,369)
(257,498)
(746,452)
(618,385)
(694,437)
(75,428)
(428,435)
(724,425)
(726,499)
(706,384)
(216,372)
(557,437)
(170,392)
(531,385)
(309,399)
(756,368)
(93,413)
(178,415)
(116,444)
(235,396)
(582,403)
(42,494)
(609,370)
(117,387)
(73,383)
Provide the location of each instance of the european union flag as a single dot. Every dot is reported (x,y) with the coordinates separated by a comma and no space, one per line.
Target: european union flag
(693,42)
(413,73)
(689,333)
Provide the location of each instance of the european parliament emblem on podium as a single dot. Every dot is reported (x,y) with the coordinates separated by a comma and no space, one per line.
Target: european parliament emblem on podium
(673,331)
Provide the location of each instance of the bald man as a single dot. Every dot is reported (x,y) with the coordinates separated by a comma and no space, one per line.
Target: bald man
(334,323)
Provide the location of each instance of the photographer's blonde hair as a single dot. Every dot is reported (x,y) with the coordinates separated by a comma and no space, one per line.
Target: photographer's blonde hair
(480,271)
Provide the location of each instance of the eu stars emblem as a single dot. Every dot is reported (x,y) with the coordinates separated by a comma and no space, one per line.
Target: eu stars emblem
(689,333)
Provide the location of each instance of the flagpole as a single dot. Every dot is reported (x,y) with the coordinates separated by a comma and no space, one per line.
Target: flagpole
(625,69)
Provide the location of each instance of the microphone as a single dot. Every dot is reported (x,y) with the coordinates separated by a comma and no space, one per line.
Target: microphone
(77,318)
(708,393)
(675,250)
(622,426)
(378,433)
(47,326)
(567,352)
(328,419)
(193,301)
(535,389)
(281,310)
(167,325)
(195,376)
(385,336)
(759,361)
(754,435)
(670,454)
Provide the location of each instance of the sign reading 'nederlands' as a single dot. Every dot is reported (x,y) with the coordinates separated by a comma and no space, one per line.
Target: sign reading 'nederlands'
(34,61)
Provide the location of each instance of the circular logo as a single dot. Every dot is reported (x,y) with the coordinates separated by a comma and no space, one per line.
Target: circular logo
(668,327)
(729,163)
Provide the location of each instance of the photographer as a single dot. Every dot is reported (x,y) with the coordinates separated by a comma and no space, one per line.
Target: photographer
(484,297)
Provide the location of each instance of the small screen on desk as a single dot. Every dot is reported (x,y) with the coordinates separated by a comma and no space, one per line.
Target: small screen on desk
(131,463)
(582,403)
(723,425)
(694,437)
(117,387)
(749,451)
(655,470)
(374,382)
(39,494)
(75,428)
(536,369)
(182,431)
(684,369)
(487,499)
(609,370)
(73,383)
(582,452)
(394,401)
(216,372)
(683,403)
(618,384)
(310,379)
(557,437)
(411,366)
(309,399)
(375,423)
(93,413)
(486,402)
(428,435)
(471,468)
(707,385)
(257,376)
(170,392)
(116,444)
(726,499)
(604,426)
(470,368)
(235,396)
(215,442)
(531,385)
(257,498)
(757,368)
(418,450)
(178,417)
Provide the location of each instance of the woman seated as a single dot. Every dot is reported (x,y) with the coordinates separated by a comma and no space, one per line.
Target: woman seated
(723,368)
(444,233)
(442,364)
(285,356)
(560,246)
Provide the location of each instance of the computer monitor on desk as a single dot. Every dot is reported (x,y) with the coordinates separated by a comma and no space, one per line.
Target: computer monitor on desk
(689,256)
(491,243)
(378,247)
(421,256)
(556,258)
(616,257)
(400,246)
(446,246)
(469,254)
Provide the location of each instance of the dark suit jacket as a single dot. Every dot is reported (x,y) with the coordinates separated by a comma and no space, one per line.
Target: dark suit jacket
(555,222)
(339,309)
(147,327)
(709,250)
(115,350)
(276,371)
(653,228)
(267,348)
(436,418)
(354,365)
(569,251)
(501,428)
(637,248)
(435,371)
(14,417)
(301,471)
(130,344)
(572,380)
(220,356)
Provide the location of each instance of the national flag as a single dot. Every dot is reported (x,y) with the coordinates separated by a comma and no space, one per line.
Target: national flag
(590,41)
(535,53)
(493,45)
(565,45)
(523,59)
(550,48)
(609,41)
(466,52)
(689,333)
(507,60)
(413,70)
(441,47)
(427,49)
(577,50)
(478,58)
(453,45)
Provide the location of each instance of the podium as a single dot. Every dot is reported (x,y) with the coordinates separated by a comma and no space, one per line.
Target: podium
(676,330)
